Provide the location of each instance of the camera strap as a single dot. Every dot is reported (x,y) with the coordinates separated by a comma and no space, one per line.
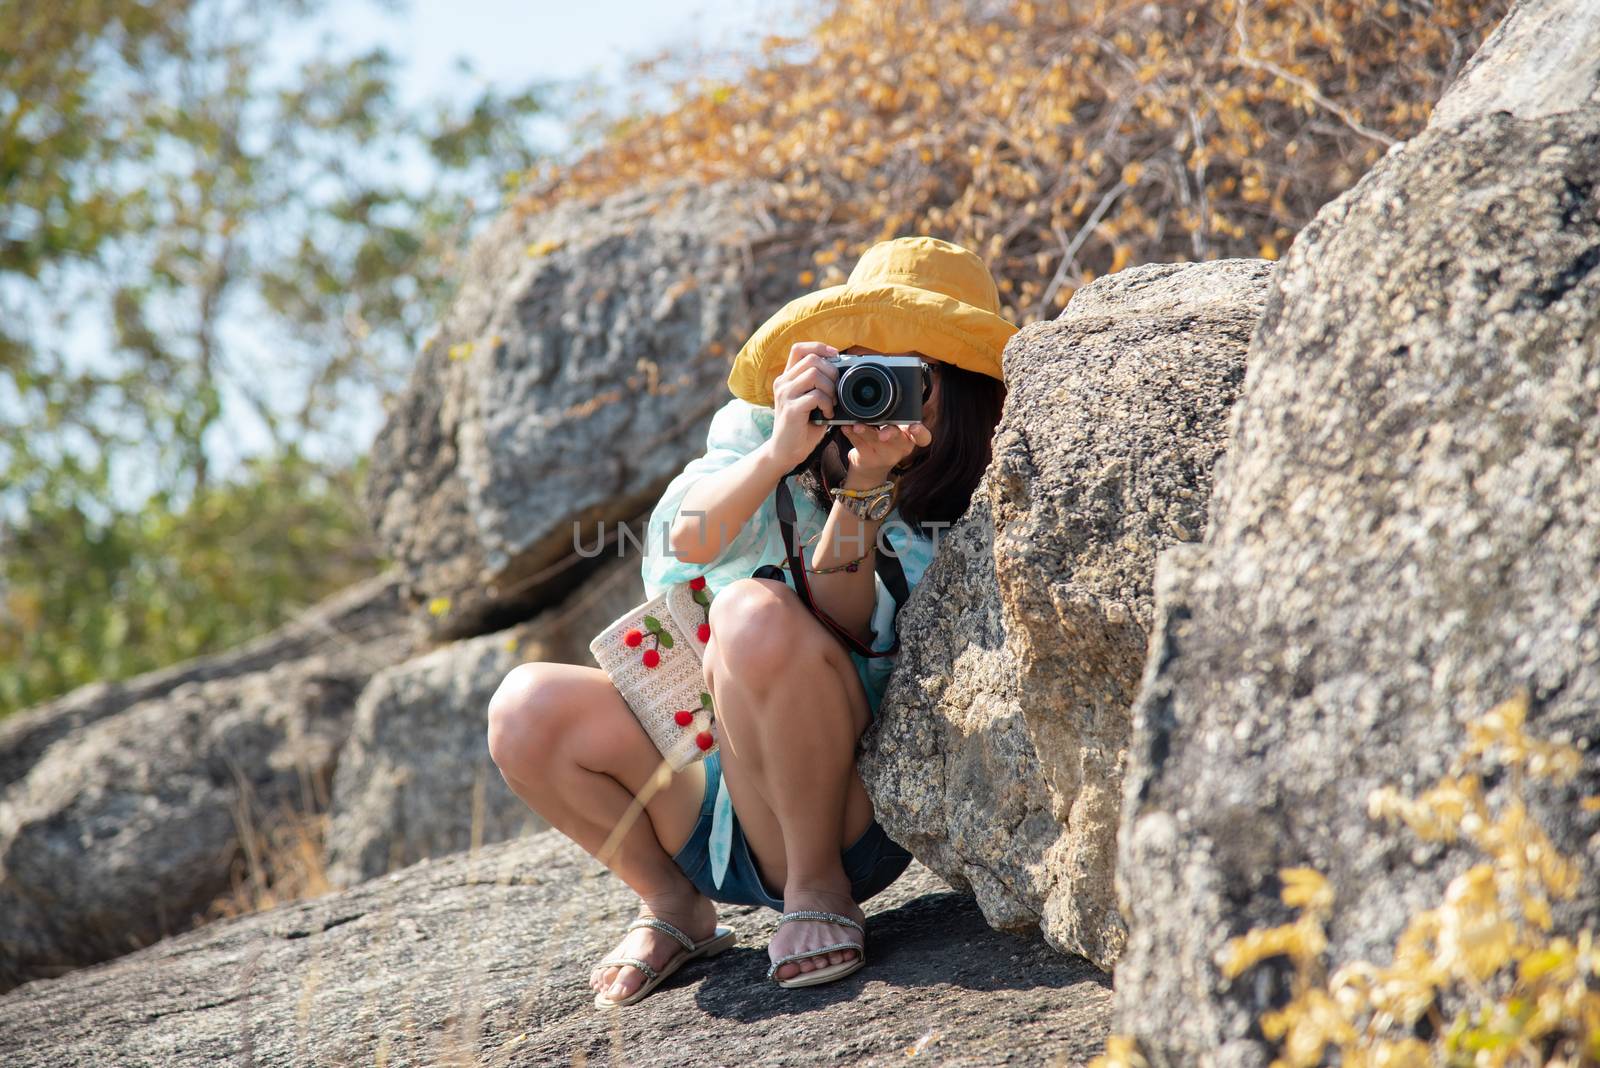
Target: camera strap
(887,565)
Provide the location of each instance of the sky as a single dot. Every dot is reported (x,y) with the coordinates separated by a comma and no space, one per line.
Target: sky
(511,43)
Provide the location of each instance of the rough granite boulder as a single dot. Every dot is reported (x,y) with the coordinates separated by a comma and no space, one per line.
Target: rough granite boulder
(415,779)
(998,758)
(123,833)
(484,959)
(574,375)
(1540,60)
(1404,534)
(126,826)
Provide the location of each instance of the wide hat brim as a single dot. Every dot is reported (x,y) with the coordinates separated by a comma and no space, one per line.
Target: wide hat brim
(883,316)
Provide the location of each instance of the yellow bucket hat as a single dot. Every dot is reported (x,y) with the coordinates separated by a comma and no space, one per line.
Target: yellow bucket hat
(910,294)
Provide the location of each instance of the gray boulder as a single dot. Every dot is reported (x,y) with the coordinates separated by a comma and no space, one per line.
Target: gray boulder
(415,779)
(126,803)
(573,377)
(998,758)
(484,959)
(1540,60)
(124,832)
(951,771)
(1404,534)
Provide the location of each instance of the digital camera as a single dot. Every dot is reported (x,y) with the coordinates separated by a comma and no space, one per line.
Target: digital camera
(877,389)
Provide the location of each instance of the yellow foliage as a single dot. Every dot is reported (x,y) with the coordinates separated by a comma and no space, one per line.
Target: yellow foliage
(1299,941)
(1305,888)
(1527,998)
(1064,141)
(1121,1052)
(1306,1025)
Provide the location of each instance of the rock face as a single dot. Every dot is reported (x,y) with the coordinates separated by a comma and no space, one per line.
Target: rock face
(1539,61)
(999,755)
(574,376)
(120,834)
(949,766)
(484,959)
(126,825)
(415,779)
(1404,534)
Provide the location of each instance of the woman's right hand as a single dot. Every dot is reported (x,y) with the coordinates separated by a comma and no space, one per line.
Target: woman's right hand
(806,383)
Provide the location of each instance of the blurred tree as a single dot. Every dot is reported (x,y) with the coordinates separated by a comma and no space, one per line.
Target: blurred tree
(94,599)
(191,230)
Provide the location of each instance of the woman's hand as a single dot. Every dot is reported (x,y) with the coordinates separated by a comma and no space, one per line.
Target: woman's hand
(807,382)
(879,448)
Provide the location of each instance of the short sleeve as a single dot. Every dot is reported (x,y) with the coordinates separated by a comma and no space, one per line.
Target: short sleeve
(737,429)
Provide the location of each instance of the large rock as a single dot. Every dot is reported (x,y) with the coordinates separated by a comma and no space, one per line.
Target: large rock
(361,614)
(573,377)
(484,959)
(123,833)
(415,779)
(998,759)
(951,771)
(1541,60)
(1404,534)
(124,827)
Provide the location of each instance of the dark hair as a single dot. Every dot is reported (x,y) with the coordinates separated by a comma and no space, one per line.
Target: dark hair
(937,481)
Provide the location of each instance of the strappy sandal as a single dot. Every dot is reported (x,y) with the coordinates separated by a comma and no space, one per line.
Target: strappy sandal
(724,938)
(832,971)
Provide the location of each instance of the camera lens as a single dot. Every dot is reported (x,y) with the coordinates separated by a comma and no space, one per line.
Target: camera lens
(866,392)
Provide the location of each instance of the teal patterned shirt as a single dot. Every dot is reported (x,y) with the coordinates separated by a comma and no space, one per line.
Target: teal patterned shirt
(737,428)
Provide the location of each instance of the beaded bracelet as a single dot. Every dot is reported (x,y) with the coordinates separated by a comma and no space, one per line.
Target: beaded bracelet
(852,565)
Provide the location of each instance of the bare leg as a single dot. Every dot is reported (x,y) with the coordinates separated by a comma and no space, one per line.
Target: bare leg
(568,746)
(791,708)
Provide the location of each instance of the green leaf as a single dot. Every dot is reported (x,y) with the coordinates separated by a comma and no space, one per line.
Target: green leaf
(705,699)
(665,639)
(702,598)
(652,624)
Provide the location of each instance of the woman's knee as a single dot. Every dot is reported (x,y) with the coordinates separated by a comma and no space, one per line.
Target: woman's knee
(526,717)
(758,627)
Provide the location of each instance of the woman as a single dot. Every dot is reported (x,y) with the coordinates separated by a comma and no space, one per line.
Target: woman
(778,816)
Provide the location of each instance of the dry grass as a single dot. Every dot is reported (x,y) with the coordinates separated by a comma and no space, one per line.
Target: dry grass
(276,864)
(1058,141)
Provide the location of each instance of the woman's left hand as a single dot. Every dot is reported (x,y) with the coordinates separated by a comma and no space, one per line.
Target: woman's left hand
(878,448)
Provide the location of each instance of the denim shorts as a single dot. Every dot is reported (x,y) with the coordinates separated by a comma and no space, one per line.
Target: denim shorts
(872,862)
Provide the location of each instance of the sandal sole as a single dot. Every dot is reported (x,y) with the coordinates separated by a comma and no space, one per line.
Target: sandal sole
(824,975)
(723,940)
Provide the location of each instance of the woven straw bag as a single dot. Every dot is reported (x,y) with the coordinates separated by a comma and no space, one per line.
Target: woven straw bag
(653,655)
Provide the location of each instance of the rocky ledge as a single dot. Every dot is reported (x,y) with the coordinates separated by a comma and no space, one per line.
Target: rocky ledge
(483,959)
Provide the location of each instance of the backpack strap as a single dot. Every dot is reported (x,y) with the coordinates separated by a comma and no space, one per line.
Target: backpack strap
(886,564)
(894,577)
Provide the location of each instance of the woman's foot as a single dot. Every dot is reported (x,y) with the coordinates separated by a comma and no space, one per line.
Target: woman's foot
(694,914)
(814,934)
